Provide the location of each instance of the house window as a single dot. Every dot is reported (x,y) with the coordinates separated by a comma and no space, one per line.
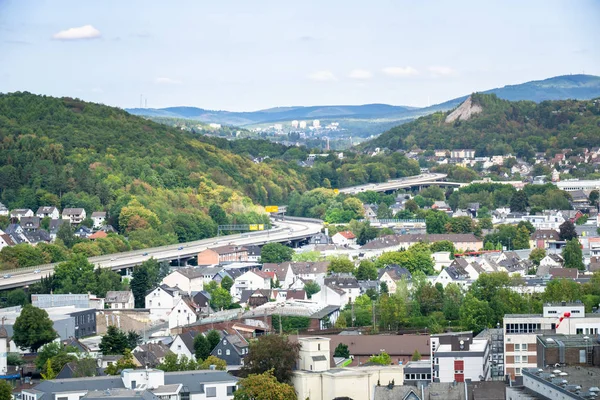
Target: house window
(524,347)
(230,390)
(150,302)
(517,347)
(517,371)
(579,331)
(211,392)
(225,342)
(319,346)
(178,347)
(524,359)
(219,352)
(227,352)
(517,359)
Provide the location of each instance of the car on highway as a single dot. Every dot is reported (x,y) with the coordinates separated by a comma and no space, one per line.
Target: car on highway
(145,254)
(7,276)
(113,259)
(37,271)
(180,248)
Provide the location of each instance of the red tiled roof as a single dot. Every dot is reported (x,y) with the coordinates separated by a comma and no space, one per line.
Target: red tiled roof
(98,235)
(347,234)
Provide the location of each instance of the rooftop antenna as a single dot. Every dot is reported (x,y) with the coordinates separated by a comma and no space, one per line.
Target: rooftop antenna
(141,100)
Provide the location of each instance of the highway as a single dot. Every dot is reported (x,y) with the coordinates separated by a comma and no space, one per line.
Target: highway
(402,183)
(283,231)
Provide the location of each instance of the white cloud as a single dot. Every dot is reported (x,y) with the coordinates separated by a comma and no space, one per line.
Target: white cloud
(167,81)
(322,76)
(400,71)
(360,74)
(82,32)
(437,71)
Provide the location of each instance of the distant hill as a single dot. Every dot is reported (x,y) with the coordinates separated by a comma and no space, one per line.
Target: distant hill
(273,114)
(492,125)
(369,117)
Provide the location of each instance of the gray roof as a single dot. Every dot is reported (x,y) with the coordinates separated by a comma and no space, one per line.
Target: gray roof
(46,210)
(193,379)
(319,358)
(97,214)
(122,394)
(120,296)
(188,340)
(342,281)
(324,312)
(72,211)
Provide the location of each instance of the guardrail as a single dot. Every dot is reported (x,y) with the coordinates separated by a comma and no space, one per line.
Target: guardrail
(170,247)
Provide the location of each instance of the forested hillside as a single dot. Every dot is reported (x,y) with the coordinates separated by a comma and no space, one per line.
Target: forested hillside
(156,182)
(521,128)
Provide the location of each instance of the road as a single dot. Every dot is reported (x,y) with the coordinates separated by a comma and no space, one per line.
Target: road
(402,183)
(283,231)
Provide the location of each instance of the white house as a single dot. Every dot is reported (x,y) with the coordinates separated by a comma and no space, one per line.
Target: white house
(48,212)
(161,300)
(99,218)
(311,271)
(121,299)
(331,295)
(74,215)
(183,313)
(453,274)
(251,280)
(334,285)
(188,279)
(344,238)
(552,261)
(183,345)
(5,240)
(20,213)
(3,210)
(284,273)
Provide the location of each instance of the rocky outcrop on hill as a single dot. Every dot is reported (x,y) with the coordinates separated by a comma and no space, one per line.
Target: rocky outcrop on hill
(465,111)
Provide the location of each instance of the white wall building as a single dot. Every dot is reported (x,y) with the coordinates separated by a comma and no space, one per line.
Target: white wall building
(99,218)
(344,238)
(48,212)
(458,356)
(187,279)
(120,299)
(183,313)
(251,280)
(161,300)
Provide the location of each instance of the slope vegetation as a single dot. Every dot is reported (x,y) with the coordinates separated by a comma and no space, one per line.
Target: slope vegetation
(501,127)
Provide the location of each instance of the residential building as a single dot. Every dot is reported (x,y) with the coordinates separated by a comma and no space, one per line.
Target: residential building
(148,384)
(521,330)
(183,345)
(462,153)
(315,379)
(322,316)
(54,227)
(161,300)
(251,280)
(120,299)
(183,313)
(20,213)
(344,282)
(4,210)
(254,253)
(74,215)
(99,218)
(16,233)
(541,237)
(391,274)
(5,240)
(98,235)
(457,356)
(189,279)
(48,212)
(453,274)
(223,254)
(344,238)
(87,300)
(150,355)
(232,348)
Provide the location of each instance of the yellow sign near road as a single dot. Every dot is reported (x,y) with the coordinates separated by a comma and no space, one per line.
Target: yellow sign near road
(336,191)
(253,227)
(272,209)
(261,227)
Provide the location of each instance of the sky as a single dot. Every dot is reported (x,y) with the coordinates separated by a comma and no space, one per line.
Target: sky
(250,55)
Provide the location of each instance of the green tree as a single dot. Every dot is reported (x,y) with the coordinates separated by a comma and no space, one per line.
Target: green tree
(311,287)
(47,352)
(365,233)
(145,277)
(66,235)
(220,299)
(519,202)
(227,283)
(16,297)
(33,328)
(5,390)
(573,255)
(416,356)
(49,374)
(272,352)
(276,253)
(264,386)
(133,339)
(537,255)
(594,196)
(475,315)
(341,350)
(443,245)
(384,212)
(382,358)
(201,347)
(435,221)
(114,341)
(125,362)
(213,338)
(522,239)
(217,214)
(366,271)
(219,363)
(567,231)
(340,265)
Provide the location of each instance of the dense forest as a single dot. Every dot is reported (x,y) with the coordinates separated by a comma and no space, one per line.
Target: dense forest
(155,181)
(520,128)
